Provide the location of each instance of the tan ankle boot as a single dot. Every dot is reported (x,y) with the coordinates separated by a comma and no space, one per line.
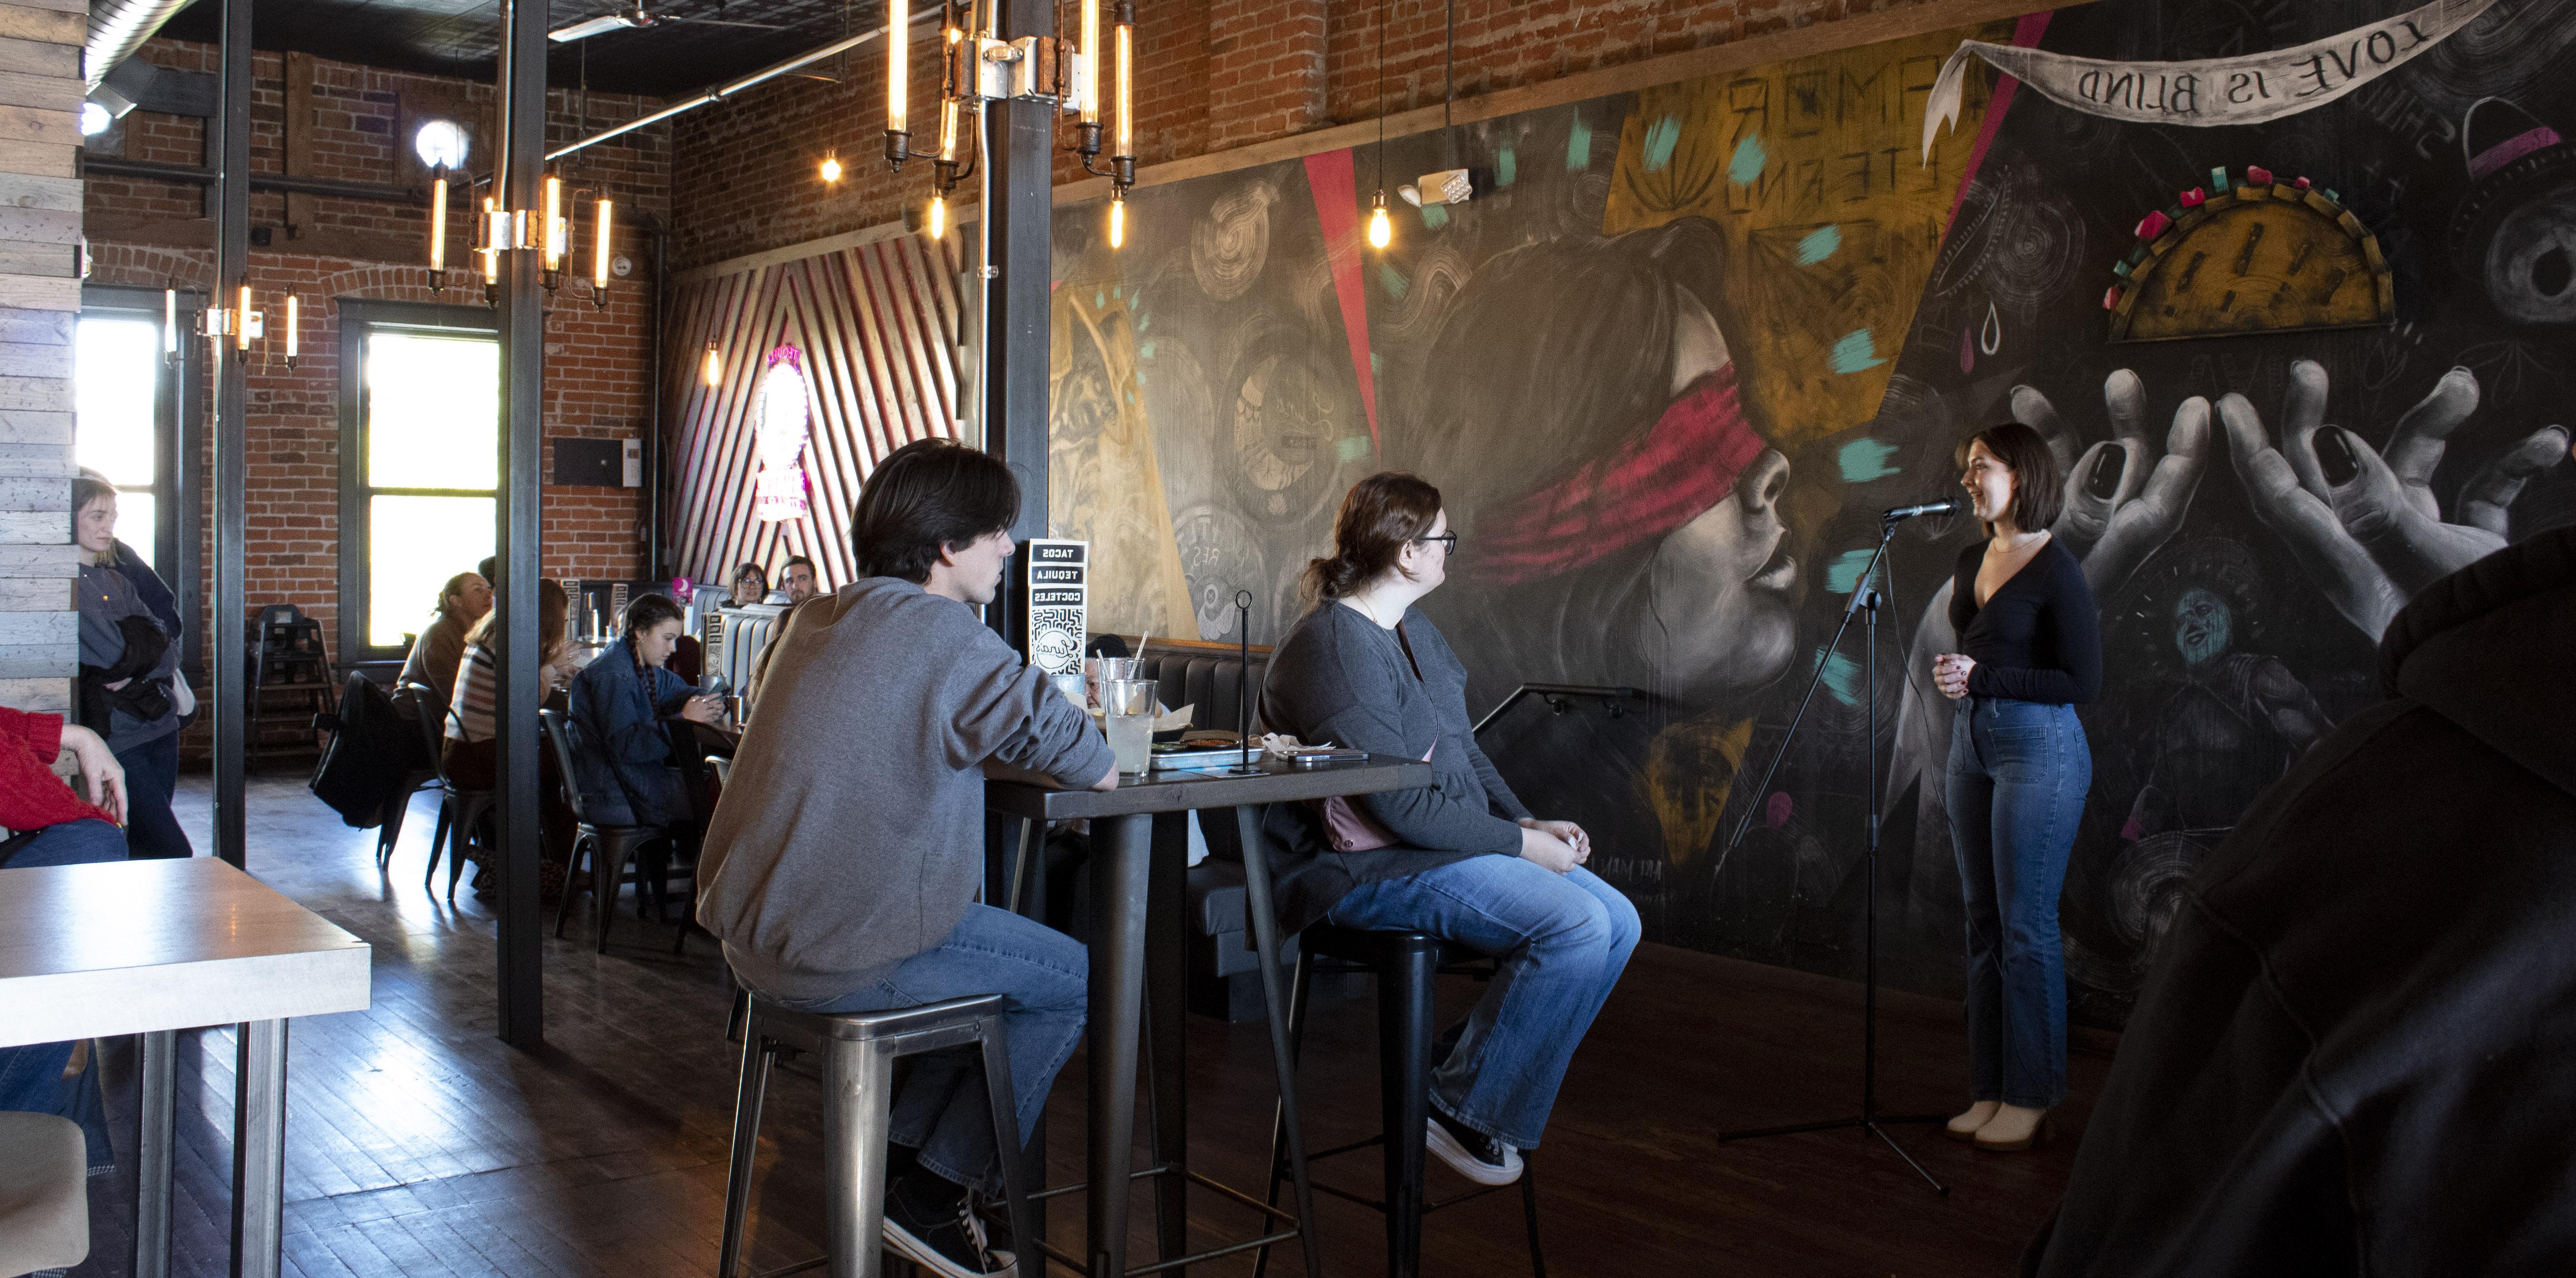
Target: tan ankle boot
(1964,1127)
(2013,1127)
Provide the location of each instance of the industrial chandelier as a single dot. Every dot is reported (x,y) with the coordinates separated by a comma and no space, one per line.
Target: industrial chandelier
(978,67)
(501,230)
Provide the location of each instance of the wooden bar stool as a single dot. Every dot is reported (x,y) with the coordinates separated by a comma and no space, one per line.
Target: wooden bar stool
(859,1050)
(44,1193)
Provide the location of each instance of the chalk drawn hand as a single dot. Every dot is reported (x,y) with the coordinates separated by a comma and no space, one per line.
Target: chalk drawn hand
(2119,507)
(2367,527)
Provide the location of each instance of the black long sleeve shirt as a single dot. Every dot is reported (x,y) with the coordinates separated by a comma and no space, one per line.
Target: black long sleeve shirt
(2038,638)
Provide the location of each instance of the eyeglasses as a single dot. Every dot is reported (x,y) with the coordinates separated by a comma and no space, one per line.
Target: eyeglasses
(1448,542)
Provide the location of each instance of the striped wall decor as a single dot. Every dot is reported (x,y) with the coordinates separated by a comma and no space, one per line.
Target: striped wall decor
(878,324)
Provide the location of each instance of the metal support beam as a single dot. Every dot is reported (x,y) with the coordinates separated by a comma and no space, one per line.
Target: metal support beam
(522,322)
(231,197)
(1019,147)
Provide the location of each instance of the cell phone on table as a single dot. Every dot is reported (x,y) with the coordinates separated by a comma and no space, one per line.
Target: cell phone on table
(716,688)
(1306,758)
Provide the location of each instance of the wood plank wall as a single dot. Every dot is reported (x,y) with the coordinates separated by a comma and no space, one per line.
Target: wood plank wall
(40,222)
(878,324)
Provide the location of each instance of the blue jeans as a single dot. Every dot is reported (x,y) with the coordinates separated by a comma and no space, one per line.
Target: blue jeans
(31,1077)
(942,1110)
(2018,773)
(1563,940)
(151,773)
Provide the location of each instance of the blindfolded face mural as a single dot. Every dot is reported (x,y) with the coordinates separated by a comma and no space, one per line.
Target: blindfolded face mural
(1682,345)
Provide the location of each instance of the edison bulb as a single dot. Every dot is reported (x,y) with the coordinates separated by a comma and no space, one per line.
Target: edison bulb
(938,216)
(1381,229)
(714,371)
(831,168)
(1117,223)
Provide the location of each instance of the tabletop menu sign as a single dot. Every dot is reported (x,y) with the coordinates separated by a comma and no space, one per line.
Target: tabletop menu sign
(1059,603)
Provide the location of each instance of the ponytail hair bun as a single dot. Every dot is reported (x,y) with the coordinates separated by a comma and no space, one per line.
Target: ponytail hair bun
(1380,516)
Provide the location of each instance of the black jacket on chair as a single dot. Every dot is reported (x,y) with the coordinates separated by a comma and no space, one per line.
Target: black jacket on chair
(374,758)
(2357,1051)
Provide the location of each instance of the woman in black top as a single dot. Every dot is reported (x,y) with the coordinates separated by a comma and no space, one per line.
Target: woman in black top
(2030,652)
(1461,858)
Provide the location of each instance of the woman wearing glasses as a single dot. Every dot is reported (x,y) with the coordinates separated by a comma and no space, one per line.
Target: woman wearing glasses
(1461,859)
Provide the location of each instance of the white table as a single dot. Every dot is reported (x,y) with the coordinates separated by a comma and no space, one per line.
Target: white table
(154,947)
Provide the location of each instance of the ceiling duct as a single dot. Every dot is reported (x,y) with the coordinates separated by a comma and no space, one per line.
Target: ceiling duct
(119,27)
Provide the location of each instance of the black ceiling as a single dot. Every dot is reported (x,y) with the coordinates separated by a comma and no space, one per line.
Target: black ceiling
(462,37)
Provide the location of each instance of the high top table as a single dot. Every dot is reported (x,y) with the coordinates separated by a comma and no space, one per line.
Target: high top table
(155,947)
(1139,852)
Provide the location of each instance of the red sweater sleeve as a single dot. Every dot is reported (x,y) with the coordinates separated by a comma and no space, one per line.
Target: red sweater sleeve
(31,796)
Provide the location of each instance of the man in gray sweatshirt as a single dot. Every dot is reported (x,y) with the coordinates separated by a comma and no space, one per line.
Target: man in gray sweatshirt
(842,863)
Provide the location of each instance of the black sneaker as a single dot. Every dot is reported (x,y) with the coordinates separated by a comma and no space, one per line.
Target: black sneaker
(947,1240)
(1471,1153)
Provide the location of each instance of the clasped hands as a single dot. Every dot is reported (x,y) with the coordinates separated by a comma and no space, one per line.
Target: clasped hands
(1558,845)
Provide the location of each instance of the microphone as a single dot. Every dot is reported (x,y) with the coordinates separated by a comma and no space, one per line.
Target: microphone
(1945,506)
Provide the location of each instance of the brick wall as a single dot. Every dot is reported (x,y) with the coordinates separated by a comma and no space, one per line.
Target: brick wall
(1211,75)
(147,234)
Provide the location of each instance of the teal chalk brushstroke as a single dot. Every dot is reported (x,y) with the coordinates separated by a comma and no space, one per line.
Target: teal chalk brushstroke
(1506,165)
(1749,159)
(1434,216)
(1377,364)
(1842,679)
(1099,300)
(1146,351)
(1392,280)
(1844,572)
(1665,134)
(1144,322)
(1863,460)
(1820,245)
(1854,353)
(1578,146)
(1351,448)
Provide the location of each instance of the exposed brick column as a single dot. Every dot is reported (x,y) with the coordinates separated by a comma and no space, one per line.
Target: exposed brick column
(1265,70)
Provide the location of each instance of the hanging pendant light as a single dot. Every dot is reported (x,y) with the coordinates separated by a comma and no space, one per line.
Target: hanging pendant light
(438,229)
(1117,220)
(713,367)
(938,216)
(1381,229)
(831,168)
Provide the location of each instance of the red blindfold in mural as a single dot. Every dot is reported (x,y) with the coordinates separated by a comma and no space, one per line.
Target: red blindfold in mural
(1652,485)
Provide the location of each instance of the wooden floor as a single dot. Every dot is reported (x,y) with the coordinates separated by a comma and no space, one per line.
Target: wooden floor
(421,1147)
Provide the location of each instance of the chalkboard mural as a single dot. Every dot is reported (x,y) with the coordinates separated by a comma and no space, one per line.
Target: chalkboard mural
(1682,345)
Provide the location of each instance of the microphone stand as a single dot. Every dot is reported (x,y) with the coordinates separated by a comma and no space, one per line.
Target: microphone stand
(1243,685)
(1863,600)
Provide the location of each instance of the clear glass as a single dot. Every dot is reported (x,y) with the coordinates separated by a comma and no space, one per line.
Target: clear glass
(414,544)
(1131,709)
(433,413)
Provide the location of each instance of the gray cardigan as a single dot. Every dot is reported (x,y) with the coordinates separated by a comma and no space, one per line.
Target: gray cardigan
(1342,678)
(851,833)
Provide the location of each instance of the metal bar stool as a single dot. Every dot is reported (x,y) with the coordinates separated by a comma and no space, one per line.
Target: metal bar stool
(460,812)
(859,1050)
(1405,964)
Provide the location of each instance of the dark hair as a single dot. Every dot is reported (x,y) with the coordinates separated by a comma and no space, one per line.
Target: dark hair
(490,569)
(1379,517)
(553,605)
(2039,485)
(925,497)
(753,571)
(87,486)
(644,612)
(455,586)
(794,560)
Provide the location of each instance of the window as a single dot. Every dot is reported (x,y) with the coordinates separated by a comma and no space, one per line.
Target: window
(424,404)
(116,397)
